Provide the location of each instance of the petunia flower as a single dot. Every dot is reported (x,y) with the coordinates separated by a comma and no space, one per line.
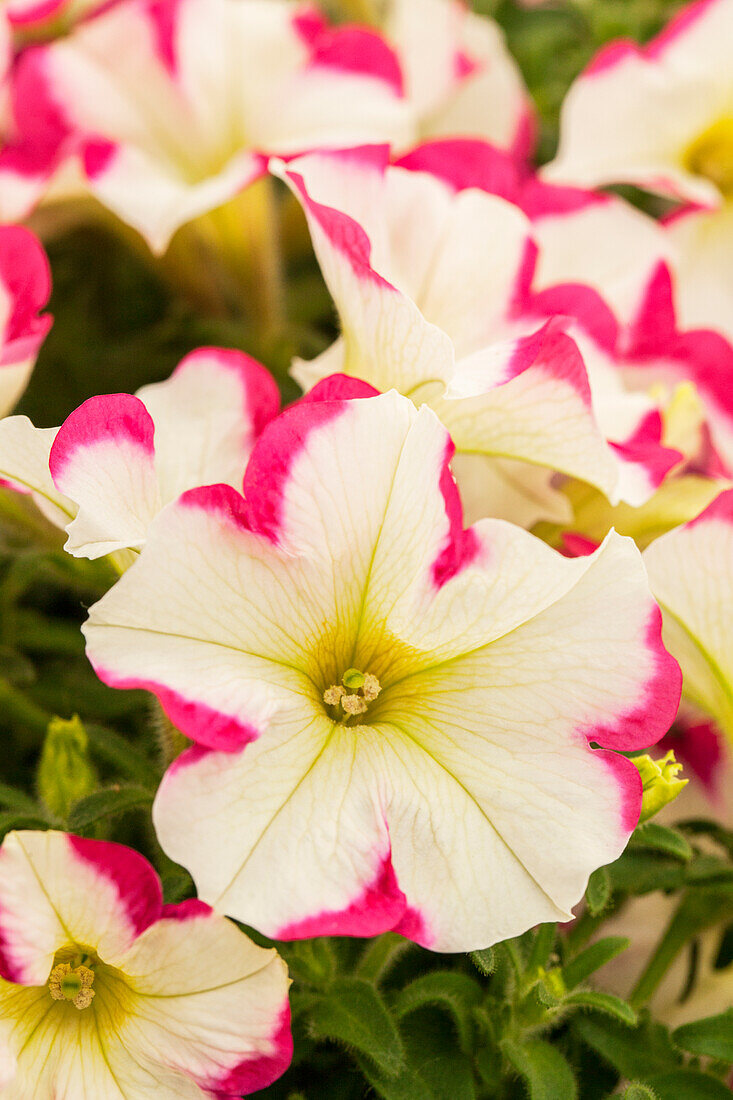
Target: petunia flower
(690,574)
(660,117)
(460,78)
(25,285)
(434,281)
(174,105)
(614,273)
(392,714)
(106,992)
(118,459)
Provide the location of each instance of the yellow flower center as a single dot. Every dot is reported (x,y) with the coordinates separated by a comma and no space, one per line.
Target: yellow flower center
(73,983)
(351,698)
(711,155)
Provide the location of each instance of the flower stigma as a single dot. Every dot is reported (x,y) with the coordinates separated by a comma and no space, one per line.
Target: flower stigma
(352,696)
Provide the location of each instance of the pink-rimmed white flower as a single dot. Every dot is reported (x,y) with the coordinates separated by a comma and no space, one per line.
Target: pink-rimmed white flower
(25,285)
(174,105)
(658,116)
(661,117)
(392,714)
(460,78)
(434,281)
(118,459)
(690,574)
(107,992)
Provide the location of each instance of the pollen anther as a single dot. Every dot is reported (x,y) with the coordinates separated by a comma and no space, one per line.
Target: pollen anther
(354,694)
(74,984)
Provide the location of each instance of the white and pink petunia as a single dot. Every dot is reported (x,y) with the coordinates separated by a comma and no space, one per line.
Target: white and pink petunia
(661,117)
(25,285)
(690,574)
(174,105)
(460,78)
(394,717)
(107,992)
(118,459)
(435,282)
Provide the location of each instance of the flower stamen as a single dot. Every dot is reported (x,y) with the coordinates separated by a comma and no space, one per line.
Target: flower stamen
(354,694)
(74,984)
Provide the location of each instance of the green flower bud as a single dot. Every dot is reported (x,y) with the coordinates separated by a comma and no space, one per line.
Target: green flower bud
(660,784)
(65,773)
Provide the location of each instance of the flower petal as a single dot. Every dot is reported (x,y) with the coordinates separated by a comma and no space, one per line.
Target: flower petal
(688,571)
(208,1003)
(58,890)
(103,459)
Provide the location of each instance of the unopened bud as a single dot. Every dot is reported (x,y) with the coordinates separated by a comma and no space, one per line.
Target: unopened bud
(65,773)
(660,784)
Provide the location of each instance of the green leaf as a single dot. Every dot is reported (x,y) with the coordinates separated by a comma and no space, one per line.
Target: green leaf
(711,1037)
(544,1069)
(15,819)
(687,1084)
(634,1052)
(354,1013)
(485,961)
(16,799)
(115,800)
(592,959)
(450,990)
(641,870)
(407,1085)
(604,1002)
(115,750)
(637,1091)
(598,891)
(543,943)
(662,839)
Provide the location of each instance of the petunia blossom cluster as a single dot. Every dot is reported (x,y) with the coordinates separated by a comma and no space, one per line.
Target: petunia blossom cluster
(409,629)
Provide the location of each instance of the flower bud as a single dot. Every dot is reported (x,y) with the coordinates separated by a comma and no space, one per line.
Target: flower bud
(65,773)
(660,784)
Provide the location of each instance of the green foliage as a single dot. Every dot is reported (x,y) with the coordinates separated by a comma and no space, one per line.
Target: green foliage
(711,1037)
(353,1012)
(545,1070)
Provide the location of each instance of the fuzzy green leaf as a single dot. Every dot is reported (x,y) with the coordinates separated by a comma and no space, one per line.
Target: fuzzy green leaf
(662,839)
(711,1037)
(456,993)
(543,1068)
(115,800)
(634,1052)
(687,1084)
(485,961)
(592,959)
(598,891)
(637,1091)
(16,799)
(354,1013)
(603,1002)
